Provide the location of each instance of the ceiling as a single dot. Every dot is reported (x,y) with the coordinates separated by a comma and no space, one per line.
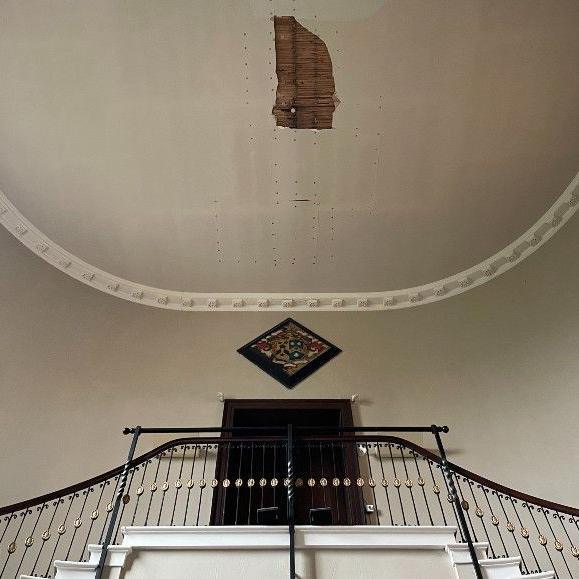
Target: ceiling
(138,136)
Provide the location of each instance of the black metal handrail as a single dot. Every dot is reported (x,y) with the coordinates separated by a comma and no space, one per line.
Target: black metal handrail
(178,483)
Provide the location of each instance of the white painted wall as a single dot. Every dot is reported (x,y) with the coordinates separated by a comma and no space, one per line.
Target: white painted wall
(499,364)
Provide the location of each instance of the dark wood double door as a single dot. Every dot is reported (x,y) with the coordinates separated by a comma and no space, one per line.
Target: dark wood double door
(259,466)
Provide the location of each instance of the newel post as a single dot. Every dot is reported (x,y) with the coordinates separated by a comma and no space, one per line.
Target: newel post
(448,474)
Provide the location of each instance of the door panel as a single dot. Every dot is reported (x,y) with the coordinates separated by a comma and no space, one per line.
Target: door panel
(262,466)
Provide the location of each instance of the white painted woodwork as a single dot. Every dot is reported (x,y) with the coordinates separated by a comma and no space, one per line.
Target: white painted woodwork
(321,553)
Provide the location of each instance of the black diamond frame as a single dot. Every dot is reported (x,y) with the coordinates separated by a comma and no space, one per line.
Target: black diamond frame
(275,371)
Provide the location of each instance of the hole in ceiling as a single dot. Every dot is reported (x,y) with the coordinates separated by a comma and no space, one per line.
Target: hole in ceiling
(306,92)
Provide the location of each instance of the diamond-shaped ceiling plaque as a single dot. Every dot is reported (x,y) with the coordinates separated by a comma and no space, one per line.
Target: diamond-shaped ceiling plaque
(289,352)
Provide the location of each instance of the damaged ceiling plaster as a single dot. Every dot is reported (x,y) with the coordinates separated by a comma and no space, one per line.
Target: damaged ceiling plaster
(306,92)
(139,153)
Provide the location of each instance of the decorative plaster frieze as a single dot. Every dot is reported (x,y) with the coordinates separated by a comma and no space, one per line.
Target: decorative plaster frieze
(513,256)
(537,235)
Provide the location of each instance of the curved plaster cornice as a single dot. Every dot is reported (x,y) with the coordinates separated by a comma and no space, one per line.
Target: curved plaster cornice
(557,215)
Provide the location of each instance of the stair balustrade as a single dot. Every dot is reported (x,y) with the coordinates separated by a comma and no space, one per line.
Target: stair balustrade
(344,476)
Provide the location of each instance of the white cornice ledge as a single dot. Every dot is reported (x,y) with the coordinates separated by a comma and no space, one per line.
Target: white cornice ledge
(116,554)
(307,537)
(460,554)
(557,215)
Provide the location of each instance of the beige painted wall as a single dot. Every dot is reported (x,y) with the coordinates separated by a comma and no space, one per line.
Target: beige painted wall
(499,364)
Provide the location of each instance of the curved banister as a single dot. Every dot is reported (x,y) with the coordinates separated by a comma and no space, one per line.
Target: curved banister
(110,474)
(404,483)
(216,440)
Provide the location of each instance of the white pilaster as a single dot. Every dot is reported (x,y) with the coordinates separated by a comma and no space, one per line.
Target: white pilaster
(461,560)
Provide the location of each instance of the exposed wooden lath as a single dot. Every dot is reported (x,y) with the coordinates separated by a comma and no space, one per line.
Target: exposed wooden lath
(305,96)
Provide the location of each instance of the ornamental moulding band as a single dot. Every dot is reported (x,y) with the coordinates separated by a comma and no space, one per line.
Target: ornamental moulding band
(535,237)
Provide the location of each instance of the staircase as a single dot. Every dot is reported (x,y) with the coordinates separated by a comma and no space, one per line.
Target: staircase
(403,552)
(381,497)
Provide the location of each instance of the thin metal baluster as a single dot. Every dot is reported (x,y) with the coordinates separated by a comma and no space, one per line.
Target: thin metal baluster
(525,533)
(61,530)
(178,484)
(190,484)
(94,516)
(436,490)
(153,488)
(409,484)
(385,485)
(499,496)
(8,520)
(421,483)
(397,483)
(372,482)
(274,472)
(226,477)
(323,476)
(27,543)
(561,519)
(310,473)
(165,486)
(109,508)
(336,493)
(140,491)
(557,543)
(46,534)
(204,484)
(238,484)
(465,507)
(252,480)
(262,486)
(78,521)
(23,514)
(480,514)
(542,538)
(450,499)
(347,496)
(126,498)
(494,519)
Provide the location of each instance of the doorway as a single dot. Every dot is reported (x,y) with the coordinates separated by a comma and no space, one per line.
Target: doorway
(260,467)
